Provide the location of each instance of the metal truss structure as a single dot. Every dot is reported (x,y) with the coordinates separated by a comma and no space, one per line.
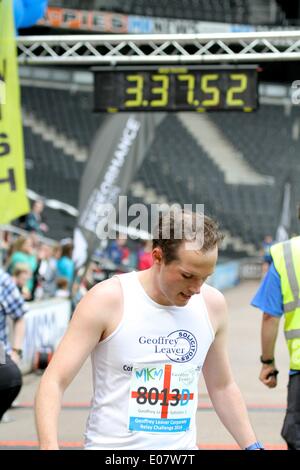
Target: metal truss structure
(159,49)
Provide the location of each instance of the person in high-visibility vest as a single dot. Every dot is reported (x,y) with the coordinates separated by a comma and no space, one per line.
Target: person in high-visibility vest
(278,295)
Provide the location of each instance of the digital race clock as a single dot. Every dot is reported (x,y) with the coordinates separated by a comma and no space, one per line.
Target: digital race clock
(175,88)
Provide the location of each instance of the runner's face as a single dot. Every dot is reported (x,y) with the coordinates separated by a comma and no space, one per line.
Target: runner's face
(184,277)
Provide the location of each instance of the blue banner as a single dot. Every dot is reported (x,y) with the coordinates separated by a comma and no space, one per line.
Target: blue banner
(226,275)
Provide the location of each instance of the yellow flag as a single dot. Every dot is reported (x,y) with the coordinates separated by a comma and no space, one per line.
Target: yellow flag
(13,199)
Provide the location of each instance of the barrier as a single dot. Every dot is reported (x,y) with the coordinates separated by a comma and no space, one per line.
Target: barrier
(226,275)
(45,324)
(230,273)
(251,269)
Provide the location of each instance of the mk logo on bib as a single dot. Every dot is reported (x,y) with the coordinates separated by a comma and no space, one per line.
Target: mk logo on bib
(149,374)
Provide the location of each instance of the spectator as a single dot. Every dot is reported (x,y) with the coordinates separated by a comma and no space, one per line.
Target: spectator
(84,280)
(65,264)
(57,251)
(47,270)
(62,290)
(5,243)
(145,260)
(22,252)
(35,240)
(33,221)
(118,252)
(20,275)
(11,305)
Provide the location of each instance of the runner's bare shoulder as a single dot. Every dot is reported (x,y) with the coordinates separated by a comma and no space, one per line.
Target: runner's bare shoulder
(103,301)
(216,305)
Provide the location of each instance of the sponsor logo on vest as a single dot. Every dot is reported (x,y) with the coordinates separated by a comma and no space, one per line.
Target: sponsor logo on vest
(178,346)
(149,374)
(146,373)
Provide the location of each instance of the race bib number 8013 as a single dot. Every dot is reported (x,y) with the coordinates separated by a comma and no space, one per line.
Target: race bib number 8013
(163,398)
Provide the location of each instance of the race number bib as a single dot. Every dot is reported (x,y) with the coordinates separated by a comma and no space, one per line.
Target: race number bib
(163,398)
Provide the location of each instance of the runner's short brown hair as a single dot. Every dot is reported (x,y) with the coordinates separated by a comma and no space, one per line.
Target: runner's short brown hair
(174,227)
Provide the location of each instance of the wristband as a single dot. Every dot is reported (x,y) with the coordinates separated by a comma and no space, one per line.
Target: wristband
(255,446)
(266,361)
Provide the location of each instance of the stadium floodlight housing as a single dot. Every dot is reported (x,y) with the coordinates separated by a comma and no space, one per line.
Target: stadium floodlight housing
(117,49)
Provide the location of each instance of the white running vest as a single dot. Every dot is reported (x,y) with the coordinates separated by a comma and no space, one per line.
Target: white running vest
(145,374)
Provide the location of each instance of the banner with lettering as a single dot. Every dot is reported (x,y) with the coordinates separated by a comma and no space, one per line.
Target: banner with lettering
(117,152)
(13,199)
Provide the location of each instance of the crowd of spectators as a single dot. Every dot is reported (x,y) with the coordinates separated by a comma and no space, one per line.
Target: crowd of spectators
(34,268)
(48,266)
(45,266)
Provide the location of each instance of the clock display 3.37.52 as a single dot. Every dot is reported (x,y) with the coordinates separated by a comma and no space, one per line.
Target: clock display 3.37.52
(167,88)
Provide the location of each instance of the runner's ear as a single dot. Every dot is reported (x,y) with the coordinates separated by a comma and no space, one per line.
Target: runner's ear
(157,255)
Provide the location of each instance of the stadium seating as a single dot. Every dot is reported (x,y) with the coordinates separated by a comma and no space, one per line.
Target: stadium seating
(50,171)
(54,175)
(176,167)
(248,212)
(265,139)
(70,111)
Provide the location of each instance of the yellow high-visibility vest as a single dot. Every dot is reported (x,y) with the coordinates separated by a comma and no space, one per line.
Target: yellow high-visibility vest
(286,258)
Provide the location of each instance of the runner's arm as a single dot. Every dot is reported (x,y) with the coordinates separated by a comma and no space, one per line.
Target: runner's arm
(223,391)
(83,334)
(269,332)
